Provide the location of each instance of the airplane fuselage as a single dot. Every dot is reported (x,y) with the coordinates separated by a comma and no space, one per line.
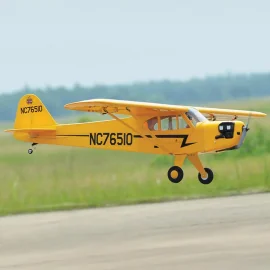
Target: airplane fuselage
(115,135)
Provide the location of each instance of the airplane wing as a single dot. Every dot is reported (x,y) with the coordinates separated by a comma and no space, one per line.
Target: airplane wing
(228,114)
(122,107)
(146,108)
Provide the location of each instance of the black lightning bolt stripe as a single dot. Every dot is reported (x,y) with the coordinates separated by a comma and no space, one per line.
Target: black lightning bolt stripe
(170,136)
(72,135)
(182,136)
(139,136)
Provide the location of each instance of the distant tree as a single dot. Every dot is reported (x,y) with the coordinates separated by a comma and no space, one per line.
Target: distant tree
(192,92)
(84,119)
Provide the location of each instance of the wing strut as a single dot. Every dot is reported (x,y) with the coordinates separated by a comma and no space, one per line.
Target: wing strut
(151,140)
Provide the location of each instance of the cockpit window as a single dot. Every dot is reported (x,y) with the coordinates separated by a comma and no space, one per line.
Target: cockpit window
(195,116)
(152,123)
(168,122)
(172,122)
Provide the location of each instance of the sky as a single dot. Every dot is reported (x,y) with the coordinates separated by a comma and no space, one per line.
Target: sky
(63,42)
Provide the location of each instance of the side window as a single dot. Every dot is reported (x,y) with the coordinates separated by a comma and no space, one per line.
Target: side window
(152,123)
(174,122)
(182,122)
(168,123)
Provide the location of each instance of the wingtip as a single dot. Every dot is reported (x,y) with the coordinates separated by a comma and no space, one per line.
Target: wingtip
(257,114)
(74,105)
(68,106)
(260,114)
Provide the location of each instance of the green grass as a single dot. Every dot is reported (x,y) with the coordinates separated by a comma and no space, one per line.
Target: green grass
(57,177)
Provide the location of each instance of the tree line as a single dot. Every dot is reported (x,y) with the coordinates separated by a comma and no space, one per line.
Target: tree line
(192,92)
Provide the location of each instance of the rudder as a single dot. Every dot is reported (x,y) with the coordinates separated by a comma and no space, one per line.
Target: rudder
(31,113)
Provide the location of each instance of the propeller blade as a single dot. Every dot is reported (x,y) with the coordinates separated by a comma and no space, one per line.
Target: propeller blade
(243,136)
(249,117)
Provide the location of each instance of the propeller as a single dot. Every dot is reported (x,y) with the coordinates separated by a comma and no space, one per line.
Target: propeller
(244,132)
(248,121)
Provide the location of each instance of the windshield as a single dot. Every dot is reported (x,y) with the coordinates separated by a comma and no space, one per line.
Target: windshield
(196,115)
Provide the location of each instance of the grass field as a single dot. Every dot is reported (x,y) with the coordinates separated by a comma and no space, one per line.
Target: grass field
(57,177)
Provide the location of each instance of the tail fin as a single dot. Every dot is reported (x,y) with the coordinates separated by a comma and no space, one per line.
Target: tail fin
(33,116)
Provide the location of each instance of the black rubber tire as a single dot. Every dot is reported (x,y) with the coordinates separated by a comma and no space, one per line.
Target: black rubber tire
(179,176)
(210,177)
(30,151)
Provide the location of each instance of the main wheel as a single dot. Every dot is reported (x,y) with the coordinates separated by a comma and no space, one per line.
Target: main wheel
(208,179)
(30,151)
(175,174)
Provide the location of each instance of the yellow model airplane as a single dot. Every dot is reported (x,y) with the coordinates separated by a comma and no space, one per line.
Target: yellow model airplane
(181,131)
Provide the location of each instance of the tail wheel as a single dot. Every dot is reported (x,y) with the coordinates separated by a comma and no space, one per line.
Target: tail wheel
(175,174)
(209,178)
(30,151)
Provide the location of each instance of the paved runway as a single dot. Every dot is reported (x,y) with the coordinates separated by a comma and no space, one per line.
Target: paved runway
(213,234)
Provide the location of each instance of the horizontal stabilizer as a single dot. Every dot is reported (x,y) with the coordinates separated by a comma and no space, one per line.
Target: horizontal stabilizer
(30,130)
(34,131)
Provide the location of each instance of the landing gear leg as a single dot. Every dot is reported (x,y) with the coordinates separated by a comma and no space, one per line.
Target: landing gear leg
(205,175)
(175,173)
(30,151)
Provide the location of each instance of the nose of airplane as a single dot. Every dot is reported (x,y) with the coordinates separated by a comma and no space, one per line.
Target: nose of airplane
(229,135)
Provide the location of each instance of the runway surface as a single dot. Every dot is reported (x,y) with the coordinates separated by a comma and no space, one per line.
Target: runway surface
(225,233)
